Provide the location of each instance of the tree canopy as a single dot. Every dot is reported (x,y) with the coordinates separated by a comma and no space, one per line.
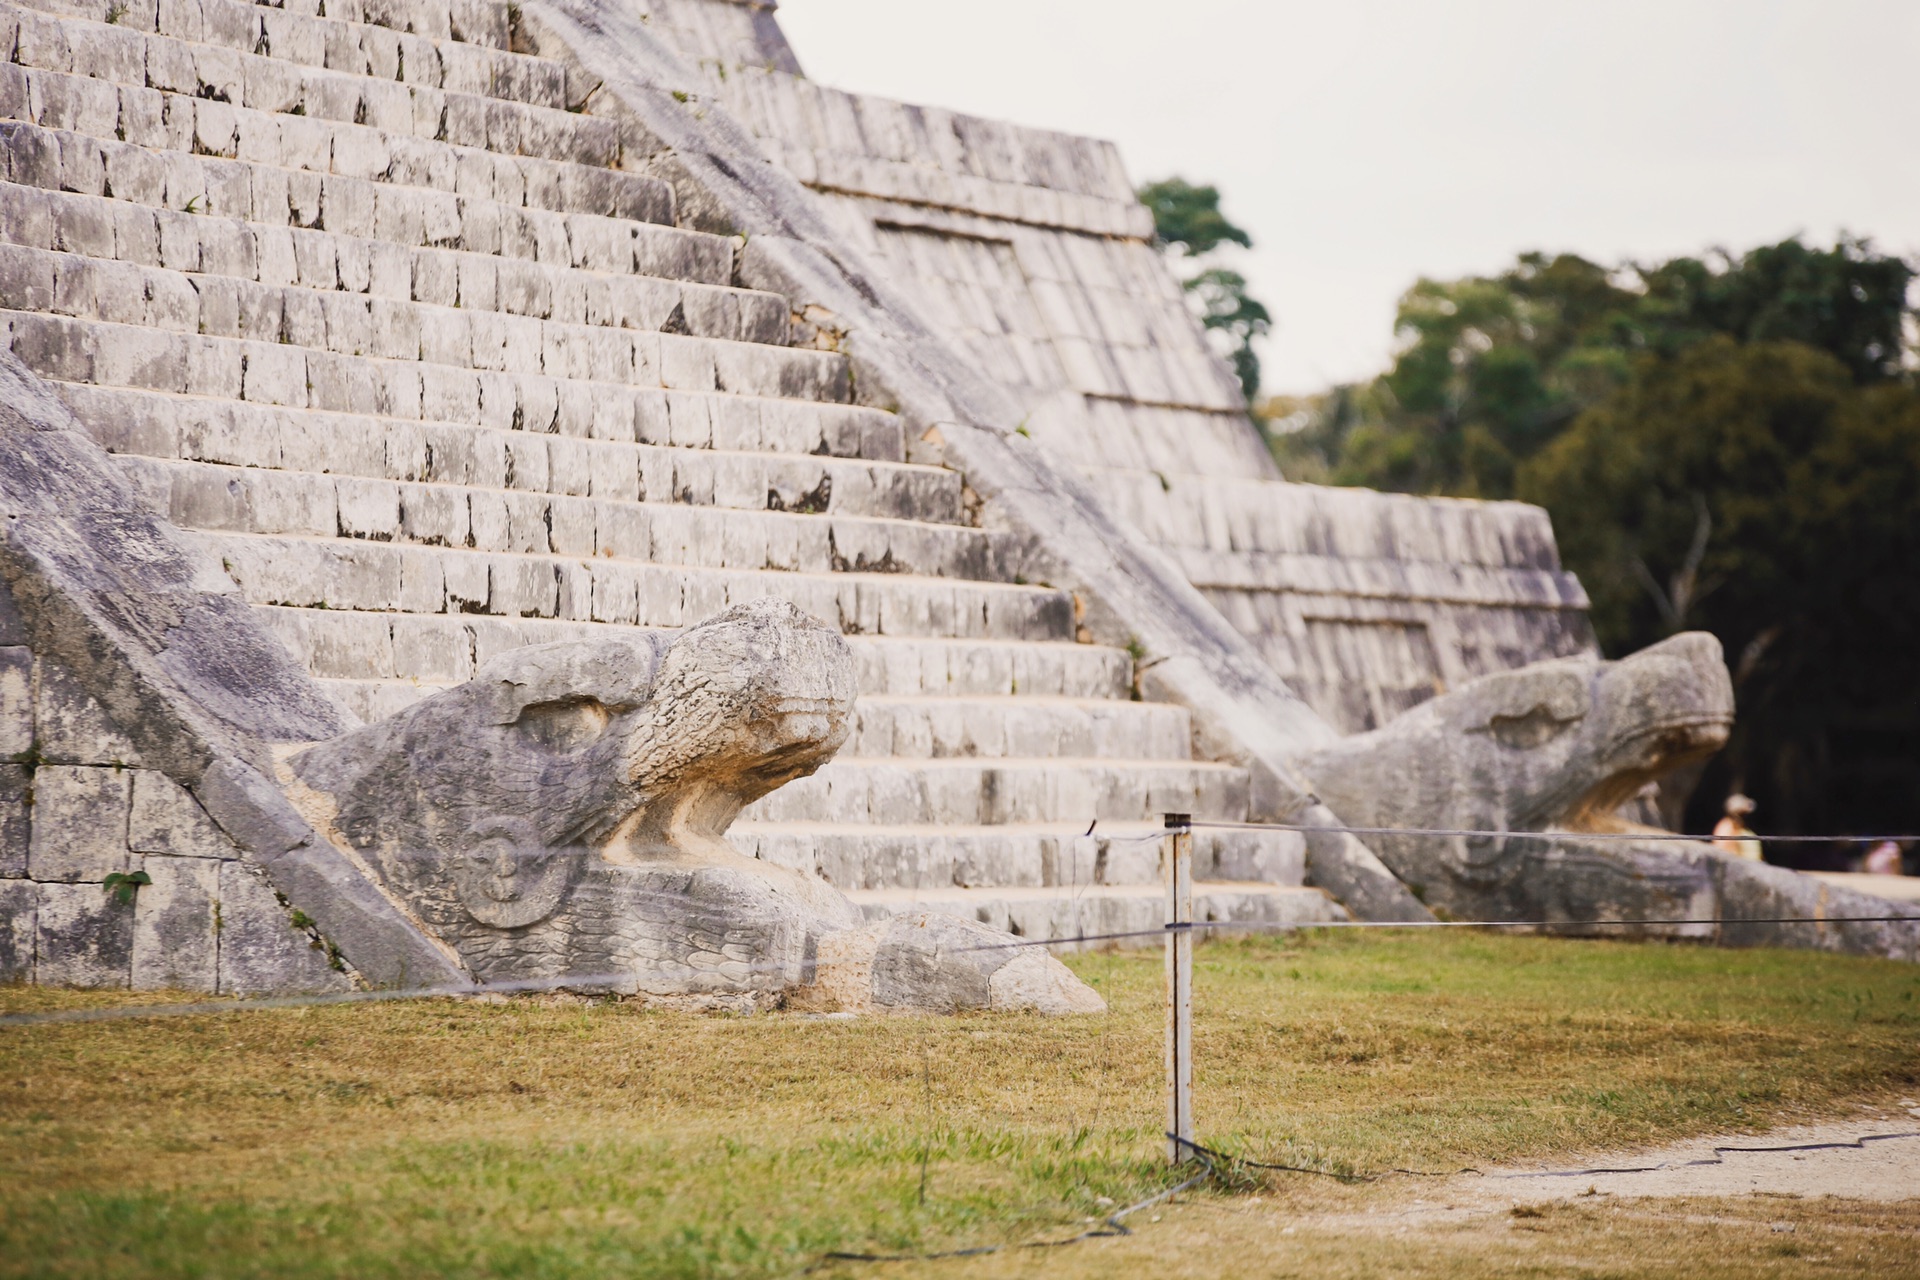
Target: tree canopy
(1187,219)
(1724,442)
(1490,369)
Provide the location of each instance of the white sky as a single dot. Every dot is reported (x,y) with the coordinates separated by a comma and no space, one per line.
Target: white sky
(1365,143)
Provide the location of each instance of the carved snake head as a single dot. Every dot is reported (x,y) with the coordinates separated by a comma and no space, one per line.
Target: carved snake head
(1558,744)
(633,746)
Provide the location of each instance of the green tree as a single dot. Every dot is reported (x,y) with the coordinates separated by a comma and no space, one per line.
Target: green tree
(1491,369)
(1848,301)
(1757,491)
(1187,219)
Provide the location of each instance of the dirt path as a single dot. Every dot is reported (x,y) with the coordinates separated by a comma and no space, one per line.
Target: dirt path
(1882,1167)
(1885,1166)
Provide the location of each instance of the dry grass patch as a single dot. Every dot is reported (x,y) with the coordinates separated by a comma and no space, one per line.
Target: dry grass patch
(546,1139)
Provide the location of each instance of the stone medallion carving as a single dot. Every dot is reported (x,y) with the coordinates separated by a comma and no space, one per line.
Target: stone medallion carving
(506,876)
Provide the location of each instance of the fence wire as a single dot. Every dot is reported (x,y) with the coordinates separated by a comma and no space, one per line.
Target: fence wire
(1276,926)
(611,984)
(1628,837)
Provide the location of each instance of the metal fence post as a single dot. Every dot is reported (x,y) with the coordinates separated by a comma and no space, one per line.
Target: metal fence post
(1177,854)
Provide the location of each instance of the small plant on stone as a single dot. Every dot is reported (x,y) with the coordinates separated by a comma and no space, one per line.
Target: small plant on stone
(124,884)
(115,12)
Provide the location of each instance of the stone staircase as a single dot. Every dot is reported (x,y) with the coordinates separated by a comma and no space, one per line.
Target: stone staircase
(366,303)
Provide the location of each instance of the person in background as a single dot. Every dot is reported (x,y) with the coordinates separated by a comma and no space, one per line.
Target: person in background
(1883,860)
(1731,834)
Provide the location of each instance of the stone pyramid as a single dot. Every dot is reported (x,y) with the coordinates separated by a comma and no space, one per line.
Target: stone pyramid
(445,327)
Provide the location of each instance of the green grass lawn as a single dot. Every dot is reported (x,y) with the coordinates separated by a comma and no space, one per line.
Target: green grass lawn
(547,1138)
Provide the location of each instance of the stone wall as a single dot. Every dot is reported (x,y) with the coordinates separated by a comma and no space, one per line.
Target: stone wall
(78,806)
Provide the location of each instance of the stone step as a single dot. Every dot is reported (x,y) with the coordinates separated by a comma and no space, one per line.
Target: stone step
(64,349)
(111,82)
(194,212)
(946,727)
(243,289)
(390,659)
(219,497)
(219,432)
(800,445)
(351,326)
(340,573)
(990,668)
(1015,855)
(295,28)
(852,790)
(1105,909)
(383,455)
(1263,519)
(283,72)
(307,42)
(433,192)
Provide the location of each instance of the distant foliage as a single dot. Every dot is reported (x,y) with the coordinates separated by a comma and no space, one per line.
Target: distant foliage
(1187,221)
(1727,443)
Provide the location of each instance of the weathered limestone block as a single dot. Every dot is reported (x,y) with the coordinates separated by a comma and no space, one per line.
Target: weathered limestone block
(13,628)
(166,819)
(72,727)
(79,822)
(562,816)
(19,918)
(1757,894)
(15,829)
(176,925)
(16,701)
(116,599)
(933,962)
(83,937)
(264,948)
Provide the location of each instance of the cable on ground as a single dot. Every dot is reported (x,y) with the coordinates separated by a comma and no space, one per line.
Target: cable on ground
(1111,1225)
(1718,1157)
(1719,1152)
(1243,1162)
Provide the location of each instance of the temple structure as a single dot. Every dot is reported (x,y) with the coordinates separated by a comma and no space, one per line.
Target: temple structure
(356,343)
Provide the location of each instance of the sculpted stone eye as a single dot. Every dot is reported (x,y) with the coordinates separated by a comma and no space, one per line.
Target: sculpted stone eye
(1537,727)
(565,725)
